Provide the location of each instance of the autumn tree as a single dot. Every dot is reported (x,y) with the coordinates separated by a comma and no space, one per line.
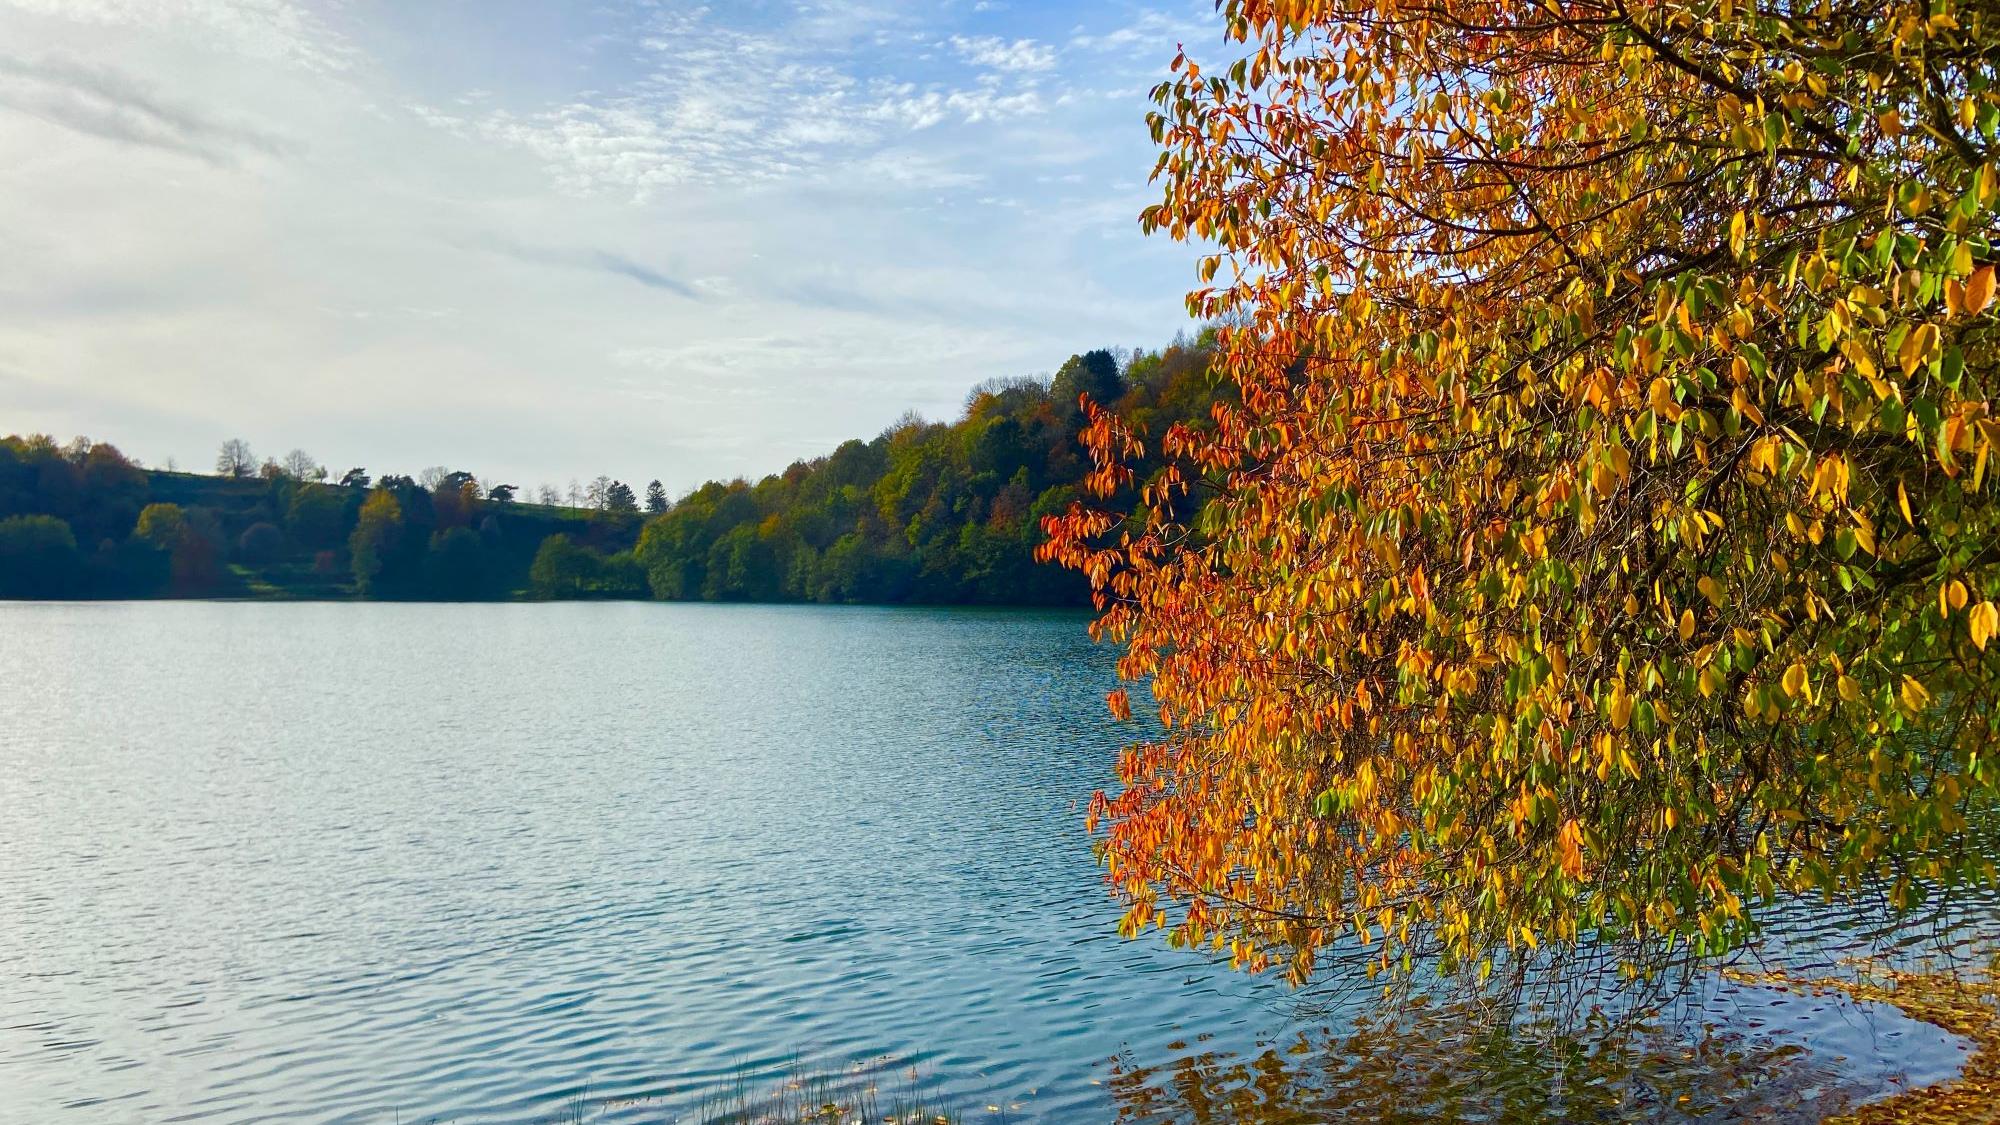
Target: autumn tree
(188,538)
(1602,547)
(162,525)
(377,532)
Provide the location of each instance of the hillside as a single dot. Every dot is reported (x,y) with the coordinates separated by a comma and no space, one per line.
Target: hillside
(928,512)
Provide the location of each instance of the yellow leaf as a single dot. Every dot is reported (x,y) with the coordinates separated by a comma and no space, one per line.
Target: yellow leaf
(1917,348)
(1985,623)
(1857,354)
(1687,624)
(1849,688)
(1662,398)
(1914,695)
(1979,290)
(1955,593)
(1569,849)
(1710,589)
(1795,680)
(1903,501)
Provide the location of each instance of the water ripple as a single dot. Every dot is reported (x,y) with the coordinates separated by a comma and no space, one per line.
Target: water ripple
(363,863)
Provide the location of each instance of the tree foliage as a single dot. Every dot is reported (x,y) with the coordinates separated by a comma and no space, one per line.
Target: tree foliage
(619,498)
(376,536)
(148,534)
(564,568)
(1604,543)
(38,558)
(926,511)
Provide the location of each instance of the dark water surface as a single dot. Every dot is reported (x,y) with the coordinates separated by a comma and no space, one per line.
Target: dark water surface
(376,863)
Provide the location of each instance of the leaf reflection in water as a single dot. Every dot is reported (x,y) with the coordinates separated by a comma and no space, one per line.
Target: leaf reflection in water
(1439,1064)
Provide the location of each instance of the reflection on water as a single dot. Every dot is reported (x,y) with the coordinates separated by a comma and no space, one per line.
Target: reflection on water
(1836,1011)
(369,863)
(1428,1066)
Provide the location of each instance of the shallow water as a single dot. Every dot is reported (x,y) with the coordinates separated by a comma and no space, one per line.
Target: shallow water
(373,862)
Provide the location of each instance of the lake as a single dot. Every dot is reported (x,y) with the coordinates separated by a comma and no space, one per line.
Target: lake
(383,862)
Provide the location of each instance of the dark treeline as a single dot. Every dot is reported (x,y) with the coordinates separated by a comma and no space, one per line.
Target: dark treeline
(82,521)
(925,512)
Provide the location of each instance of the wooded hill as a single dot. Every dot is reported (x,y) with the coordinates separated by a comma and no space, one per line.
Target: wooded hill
(924,512)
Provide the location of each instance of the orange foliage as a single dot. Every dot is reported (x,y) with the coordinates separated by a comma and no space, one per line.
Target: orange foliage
(1602,545)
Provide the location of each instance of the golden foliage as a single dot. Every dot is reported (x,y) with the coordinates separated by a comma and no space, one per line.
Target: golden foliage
(1603,545)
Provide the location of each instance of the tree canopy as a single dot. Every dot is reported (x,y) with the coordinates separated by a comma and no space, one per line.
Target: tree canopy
(1602,544)
(926,511)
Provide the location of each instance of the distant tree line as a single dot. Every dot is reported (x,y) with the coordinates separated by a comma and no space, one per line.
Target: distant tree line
(925,512)
(83,520)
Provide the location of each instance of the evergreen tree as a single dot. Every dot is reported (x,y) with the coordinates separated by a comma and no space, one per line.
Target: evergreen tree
(618,498)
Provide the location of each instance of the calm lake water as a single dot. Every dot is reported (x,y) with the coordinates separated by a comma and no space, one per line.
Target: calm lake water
(379,863)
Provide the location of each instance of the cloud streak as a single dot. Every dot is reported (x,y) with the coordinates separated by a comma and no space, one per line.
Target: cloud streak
(104,103)
(593,260)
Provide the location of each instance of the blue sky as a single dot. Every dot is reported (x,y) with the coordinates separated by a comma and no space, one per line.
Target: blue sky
(548,240)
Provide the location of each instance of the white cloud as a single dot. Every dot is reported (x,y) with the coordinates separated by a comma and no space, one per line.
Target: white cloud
(1153,31)
(693,118)
(922,110)
(697,250)
(996,53)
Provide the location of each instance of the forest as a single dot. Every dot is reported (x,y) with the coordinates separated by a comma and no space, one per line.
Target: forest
(925,512)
